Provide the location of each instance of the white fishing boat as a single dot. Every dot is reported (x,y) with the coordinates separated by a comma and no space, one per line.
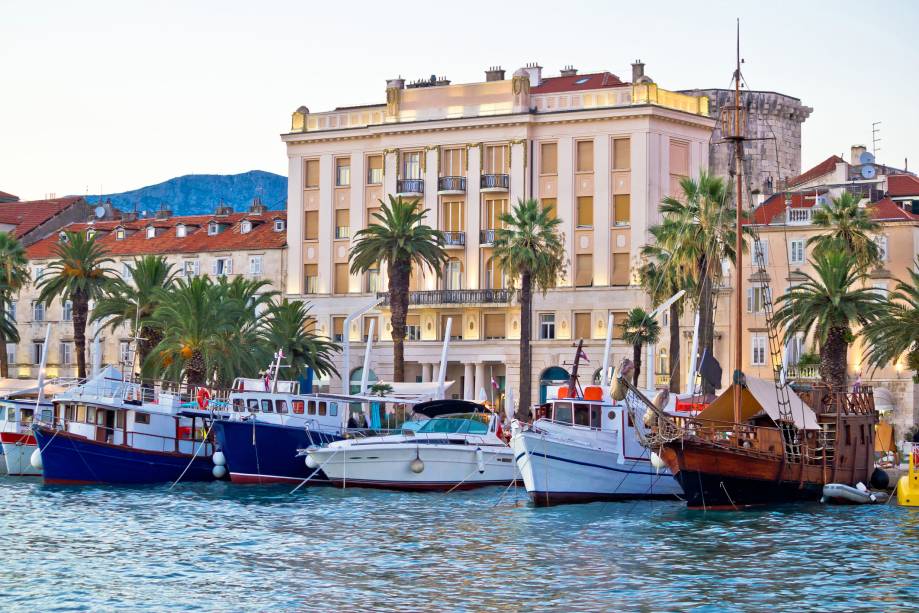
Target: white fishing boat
(16,440)
(458,447)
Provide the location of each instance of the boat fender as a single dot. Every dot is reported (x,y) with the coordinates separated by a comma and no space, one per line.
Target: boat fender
(480,459)
(657,461)
(219,471)
(35,460)
(880,480)
(219,459)
(311,461)
(416,465)
(861,487)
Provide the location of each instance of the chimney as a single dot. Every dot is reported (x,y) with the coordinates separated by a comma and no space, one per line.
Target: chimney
(569,71)
(129,216)
(163,212)
(856,153)
(495,73)
(257,208)
(638,70)
(223,209)
(398,83)
(534,71)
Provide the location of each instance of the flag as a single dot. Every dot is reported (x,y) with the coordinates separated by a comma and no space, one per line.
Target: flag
(583,355)
(710,370)
(494,384)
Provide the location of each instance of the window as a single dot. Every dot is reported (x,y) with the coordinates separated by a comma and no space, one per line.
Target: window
(582,325)
(494,274)
(622,210)
(622,154)
(141,418)
(124,352)
(267,406)
(66,354)
(584,270)
(413,327)
(119,234)
(494,326)
(322,408)
(881,242)
(760,253)
(758,344)
(67,311)
(11,310)
(585,156)
(376,328)
(280,406)
(796,251)
(238,405)
(342,223)
(213,228)
(880,289)
(252,405)
(453,274)
(341,278)
(547,326)
(37,348)
(298,407)
(90,234)
(310,278)
(190,268)
(222,267)
(311,174)
(552,205)
(10,353)
(794,349)
(343,172)
(618,320)
(495,162)
(374,170)
(37,272)
(373,281)
(494,209)
(333,409)
(452,163)
(255,265)
(151,232)
(756,299)
(311,407)
(411,165)
(279,225)
(311,226)
(338,329)
(548,158)
(126,272)
(38,311)
(452,218)
(585,212)
(245,227)
(181,231)
(621,269)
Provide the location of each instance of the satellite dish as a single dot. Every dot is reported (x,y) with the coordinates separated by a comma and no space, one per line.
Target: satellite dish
(100,212)
(866,158)
(869,171)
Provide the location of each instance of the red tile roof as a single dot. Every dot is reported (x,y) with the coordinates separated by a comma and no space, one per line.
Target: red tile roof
(26,216)
(775,206)
(902,185)
(826,166)
(576,82)
(262,235)
(886,209)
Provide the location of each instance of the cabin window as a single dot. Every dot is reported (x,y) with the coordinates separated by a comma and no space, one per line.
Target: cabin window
(252,405)
(238,404)
(81,413)
(311,407)
(322,408)
(47,415)
(70,412)
(119,419)
(11,414)
(595,416)
(281,406)
(90,415)
(266,406)
(582,415)
(141,418)
(563,412)
(298,407)
(333,409)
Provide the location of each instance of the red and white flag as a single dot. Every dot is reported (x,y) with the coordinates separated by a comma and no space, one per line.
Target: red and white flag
(583,355)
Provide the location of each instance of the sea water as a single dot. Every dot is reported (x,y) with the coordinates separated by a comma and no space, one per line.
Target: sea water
(222,547)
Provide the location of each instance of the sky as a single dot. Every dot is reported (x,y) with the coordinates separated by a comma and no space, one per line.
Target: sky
(102,96)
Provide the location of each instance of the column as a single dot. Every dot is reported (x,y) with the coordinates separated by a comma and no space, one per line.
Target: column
(473,217)
(356,209)
(390,173)
(565,204)
(432,212)
(479,380)
(603,202)
(468,383)
(326,222)
(295,225)
(517,190)
(426,373)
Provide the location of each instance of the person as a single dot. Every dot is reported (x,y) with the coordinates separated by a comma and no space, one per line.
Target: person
(352,423)
(857,386)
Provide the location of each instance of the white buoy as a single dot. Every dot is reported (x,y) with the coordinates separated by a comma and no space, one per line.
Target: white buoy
(311,462)
(657,461)
(35,460)
(219,459)
(219,471)
(416,465)
(480,459)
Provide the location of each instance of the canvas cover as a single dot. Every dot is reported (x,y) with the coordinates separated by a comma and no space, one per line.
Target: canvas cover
(758,397)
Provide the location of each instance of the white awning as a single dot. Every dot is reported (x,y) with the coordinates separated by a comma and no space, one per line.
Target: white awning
(758,397)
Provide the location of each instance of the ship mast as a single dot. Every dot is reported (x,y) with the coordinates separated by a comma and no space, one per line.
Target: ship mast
(738,138)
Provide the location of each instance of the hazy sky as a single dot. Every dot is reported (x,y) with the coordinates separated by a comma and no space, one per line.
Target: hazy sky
(123,94)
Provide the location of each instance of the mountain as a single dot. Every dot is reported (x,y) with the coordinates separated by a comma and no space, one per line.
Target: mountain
(200,194)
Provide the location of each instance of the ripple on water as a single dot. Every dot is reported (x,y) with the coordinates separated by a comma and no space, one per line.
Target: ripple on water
(224,547)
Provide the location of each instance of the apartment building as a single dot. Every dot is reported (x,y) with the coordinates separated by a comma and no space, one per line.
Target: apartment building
(602,152)
(226,243)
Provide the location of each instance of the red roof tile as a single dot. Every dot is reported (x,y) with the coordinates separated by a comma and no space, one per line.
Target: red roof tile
(26,216)
(902,185)
(776,204)
(824,167)
(576,82)
(262,235)
(886,209)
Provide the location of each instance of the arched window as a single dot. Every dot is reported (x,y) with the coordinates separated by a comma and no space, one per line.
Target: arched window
(494,275)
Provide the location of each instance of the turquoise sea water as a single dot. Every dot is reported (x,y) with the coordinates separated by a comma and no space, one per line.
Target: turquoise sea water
(230,548)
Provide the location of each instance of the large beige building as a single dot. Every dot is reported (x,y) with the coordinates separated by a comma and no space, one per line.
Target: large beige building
(250,244)
(601,151)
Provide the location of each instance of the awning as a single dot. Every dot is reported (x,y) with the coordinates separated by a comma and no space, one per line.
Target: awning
(759,397)
(18,388)
(448,406)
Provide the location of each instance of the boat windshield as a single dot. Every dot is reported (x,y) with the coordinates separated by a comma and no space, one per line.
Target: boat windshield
(456,424)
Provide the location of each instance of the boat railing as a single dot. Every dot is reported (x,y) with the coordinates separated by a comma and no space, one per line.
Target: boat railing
(146,441)
(766,440)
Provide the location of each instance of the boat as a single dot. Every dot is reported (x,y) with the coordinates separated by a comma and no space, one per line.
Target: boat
(114,430)
(459,447)
(586,447)
(840,493)
(16,439)
(908,484)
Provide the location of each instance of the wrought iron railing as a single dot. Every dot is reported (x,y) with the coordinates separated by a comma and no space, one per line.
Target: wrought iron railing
(451,184)
(456,296)
(410,186)
(455,239)
(486,237)
(494,182)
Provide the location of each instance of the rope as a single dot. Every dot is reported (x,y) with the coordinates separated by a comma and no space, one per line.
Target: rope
(315,472)
(474,470)
(194,456)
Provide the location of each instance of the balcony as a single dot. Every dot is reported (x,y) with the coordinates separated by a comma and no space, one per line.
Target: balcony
(487,237)
(454,239)
(494,183)
(410,188)
(455,296)
(799,217)
(447,186)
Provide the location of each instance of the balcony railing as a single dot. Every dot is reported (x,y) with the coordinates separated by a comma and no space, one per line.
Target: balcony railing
(494,182)
(803,372)
(455,296)
(410,186)
(451,184)
(342,232)
(455,239)
(799,217)
(487,237)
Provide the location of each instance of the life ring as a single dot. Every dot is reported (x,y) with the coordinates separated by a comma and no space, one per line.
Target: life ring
(203,397)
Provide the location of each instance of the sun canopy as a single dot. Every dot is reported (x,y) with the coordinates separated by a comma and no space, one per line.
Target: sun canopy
(14,388)
(760,397)
(448,406)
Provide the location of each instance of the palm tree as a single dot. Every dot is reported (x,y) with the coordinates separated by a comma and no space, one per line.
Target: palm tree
(896,330)
(698,231)
(530,248)
(290,328)
(827,305)
(78,274)
(132,304)
(399,240)
(639,329)
(13,275)
(850,227)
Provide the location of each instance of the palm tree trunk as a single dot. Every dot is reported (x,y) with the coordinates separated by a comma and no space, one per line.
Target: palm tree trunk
(399,274)
(674,355)
(636,358)
(194,369)
(833,359)
(80,311)
(4,365)
(526,331)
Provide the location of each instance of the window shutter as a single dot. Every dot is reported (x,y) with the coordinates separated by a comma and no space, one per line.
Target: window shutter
(214,269)
(549,159)
(749,300)
(228,267)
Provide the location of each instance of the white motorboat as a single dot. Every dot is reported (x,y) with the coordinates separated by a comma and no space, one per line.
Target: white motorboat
(458,447)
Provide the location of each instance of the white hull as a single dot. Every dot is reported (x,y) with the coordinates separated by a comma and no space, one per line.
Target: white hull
(17,460)
(558,471)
